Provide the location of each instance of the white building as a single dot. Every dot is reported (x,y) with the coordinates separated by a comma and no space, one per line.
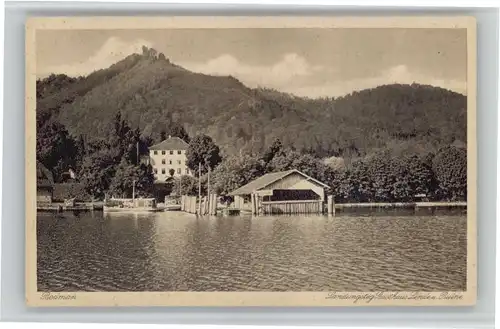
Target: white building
(168,158)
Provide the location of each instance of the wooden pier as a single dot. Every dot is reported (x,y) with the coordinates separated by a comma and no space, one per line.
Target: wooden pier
(61,207)
(331,205)
(208,206)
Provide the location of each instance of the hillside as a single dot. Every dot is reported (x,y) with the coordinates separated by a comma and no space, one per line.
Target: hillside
(154,94)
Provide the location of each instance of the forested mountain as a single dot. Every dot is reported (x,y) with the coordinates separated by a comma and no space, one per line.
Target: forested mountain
(155,95)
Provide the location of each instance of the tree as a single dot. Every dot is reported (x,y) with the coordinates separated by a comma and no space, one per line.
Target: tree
(126,175)
(335,163)
(421,177)
(97,172)
(235,172)
(390,178)
(55,148)
(402,189)
(202,149)
(174,130)
(81,152)
(188,185)
(450,168)
(125,140)
(177,130)
(145,180)
(306,163)
(171,172)
(355,184)
(123,180)
(273,150)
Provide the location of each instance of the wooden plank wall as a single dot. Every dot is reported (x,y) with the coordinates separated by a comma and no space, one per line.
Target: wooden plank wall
(292,207)
(190,204)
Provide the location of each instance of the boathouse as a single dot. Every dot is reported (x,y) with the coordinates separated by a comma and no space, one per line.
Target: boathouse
(44,184)
(284,192)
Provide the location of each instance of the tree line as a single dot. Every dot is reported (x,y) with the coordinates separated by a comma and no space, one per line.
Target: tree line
(103,165)
(111,166)
(379,177)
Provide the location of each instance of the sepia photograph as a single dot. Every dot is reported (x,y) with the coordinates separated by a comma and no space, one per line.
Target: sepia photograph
(256,161)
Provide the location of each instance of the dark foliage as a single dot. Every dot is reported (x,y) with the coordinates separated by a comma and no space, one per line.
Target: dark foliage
(202,150)
(450,167)
(64,191)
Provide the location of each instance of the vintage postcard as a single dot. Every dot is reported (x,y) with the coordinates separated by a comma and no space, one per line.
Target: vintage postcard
(250,161)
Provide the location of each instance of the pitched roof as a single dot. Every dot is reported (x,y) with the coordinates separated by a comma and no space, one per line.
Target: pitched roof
(267,179)
(171,143)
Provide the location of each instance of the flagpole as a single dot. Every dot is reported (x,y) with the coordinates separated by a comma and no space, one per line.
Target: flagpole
(133,191)
(208,185)
(137,147)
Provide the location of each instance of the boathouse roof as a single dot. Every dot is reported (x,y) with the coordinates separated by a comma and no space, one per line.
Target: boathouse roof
(270,178)
(171,143)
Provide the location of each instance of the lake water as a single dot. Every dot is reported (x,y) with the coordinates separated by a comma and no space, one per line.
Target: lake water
(173,251)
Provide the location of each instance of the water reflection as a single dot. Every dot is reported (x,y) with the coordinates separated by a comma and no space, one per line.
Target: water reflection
(180,252)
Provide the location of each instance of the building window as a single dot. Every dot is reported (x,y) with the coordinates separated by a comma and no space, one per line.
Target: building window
(178,161)
(179,171)
(156,171)
(155,152)
(171,152)
(163,152)
(187,171)
(170,161)
(162,161)
(179,152)
(163,171)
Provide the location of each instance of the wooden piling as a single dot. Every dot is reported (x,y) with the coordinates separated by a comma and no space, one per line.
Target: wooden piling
(205,206)
(254,206)
(212,205)
(199,188)
(194,205)
(331,205)
(213,211)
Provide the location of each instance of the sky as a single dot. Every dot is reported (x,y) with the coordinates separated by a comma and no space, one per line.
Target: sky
(317,62)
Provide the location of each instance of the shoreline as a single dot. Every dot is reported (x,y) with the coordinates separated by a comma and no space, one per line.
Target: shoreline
(456,204)
(99,206)
(78,206)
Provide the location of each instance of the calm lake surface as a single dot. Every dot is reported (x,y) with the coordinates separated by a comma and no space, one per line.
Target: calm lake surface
(173,251)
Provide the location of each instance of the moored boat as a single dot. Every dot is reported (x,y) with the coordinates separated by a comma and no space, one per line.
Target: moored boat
(173,207)
(131,205)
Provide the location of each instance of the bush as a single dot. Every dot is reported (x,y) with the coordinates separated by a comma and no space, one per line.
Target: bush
(450,167)
(70,190)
